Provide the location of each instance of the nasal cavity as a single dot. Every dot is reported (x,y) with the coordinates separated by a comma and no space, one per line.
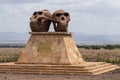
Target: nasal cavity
(39,19)
(62,18)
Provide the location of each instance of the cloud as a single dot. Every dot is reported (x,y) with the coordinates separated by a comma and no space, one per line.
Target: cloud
(20,1)
(114,3)
(87,16)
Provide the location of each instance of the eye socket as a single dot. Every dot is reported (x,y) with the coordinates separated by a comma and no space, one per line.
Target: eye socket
(34,13)
(66,14)
(40,13)
(58,14)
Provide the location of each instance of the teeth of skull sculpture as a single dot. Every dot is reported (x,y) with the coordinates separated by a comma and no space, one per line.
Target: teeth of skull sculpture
(60,20)
(40,21)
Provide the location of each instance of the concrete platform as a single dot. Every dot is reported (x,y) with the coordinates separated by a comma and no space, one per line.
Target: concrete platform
(88,68)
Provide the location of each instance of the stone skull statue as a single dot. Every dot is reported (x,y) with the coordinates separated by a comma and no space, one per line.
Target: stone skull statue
(40,21)
(60,20)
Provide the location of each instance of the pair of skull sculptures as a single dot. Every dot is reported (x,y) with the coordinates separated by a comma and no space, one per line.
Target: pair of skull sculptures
(41,20)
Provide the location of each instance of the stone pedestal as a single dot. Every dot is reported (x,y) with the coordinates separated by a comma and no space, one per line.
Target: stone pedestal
(54,53)
(50,48)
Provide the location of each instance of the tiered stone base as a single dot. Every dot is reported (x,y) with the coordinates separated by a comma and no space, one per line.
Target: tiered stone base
(54,53)
(88,68)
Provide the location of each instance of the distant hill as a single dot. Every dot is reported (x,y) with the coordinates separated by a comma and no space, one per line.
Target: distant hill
(80,38)
(13,37)
(96,39)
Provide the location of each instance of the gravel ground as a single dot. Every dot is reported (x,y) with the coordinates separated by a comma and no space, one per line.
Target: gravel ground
(113,75)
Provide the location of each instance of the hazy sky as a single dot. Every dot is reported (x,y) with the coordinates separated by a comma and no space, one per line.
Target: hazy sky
(87,16)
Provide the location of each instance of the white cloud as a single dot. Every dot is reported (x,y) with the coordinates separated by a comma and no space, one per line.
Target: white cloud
(20,1)
(114,3)
(88,16)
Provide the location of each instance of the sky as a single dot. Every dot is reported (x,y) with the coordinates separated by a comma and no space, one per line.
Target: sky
(87,16)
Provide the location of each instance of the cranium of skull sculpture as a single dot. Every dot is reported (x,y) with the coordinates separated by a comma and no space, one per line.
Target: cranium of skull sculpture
(60,20)
(40,21)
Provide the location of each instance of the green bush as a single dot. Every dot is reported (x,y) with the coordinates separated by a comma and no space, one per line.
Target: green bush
(110,47)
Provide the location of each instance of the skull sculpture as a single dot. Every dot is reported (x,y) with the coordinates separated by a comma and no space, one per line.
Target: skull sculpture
(40,21)
(60,20)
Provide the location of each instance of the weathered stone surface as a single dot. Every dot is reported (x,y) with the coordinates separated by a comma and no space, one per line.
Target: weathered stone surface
(87,68)
(40,21)
(60,20)
(51,48)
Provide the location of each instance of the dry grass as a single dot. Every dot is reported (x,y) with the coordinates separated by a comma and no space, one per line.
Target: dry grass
(9,54)
(112,56)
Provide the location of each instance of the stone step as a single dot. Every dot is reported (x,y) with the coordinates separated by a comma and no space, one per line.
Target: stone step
(91,68)
(105,70)
(38,69)
(90,64)
(45,71)
(53,68)
(70,69)
(59,71)
(56,70)
(97,66)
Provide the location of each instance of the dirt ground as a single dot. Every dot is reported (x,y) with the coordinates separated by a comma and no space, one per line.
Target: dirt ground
(113,75)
